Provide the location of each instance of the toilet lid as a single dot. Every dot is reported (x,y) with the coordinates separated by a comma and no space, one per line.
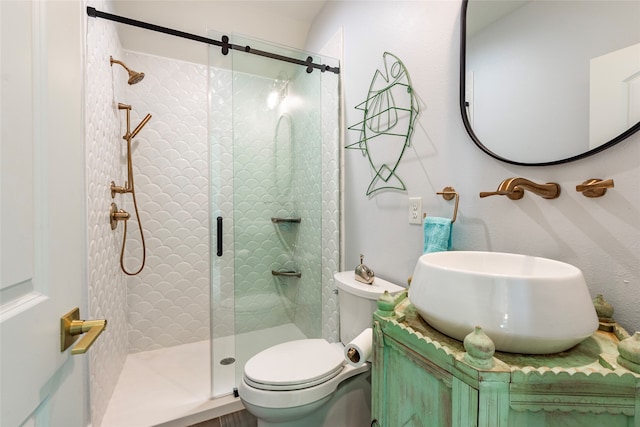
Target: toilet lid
(294,365)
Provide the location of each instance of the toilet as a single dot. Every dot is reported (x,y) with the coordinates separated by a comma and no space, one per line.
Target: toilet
(310,383)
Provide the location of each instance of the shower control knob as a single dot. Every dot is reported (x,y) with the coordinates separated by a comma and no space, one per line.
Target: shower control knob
(117,189)
(116,215)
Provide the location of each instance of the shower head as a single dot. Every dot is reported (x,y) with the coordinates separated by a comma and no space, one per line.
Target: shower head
(134,76)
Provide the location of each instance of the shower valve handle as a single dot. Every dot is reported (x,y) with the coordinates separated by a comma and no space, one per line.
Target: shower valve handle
(118,189)
(116,215)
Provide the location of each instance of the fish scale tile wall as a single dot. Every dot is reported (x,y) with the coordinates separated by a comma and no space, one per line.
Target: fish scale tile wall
(330,203)
(307,193)
(168,302)
(172,181)
(262,301)
(221,200)
(107,290)
(331,161)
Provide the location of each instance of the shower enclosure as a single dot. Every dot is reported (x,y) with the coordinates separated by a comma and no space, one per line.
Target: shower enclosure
(248,139)
(274,149)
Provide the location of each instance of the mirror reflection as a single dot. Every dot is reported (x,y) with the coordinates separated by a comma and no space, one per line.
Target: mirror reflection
(547,82)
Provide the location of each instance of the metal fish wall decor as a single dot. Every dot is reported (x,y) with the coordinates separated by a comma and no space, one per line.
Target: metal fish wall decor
(390,112)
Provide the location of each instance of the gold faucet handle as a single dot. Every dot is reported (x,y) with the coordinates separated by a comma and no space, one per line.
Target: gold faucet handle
(516,194)
(118,189)
(116,215)
(484,194)
(594,187)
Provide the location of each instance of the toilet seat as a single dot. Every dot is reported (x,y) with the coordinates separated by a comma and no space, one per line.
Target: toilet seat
(294,365)
(287,399)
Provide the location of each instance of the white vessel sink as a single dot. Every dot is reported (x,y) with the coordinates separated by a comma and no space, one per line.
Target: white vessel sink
(524,304)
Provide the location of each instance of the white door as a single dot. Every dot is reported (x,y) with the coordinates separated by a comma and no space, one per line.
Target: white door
(42,212)
(614,93)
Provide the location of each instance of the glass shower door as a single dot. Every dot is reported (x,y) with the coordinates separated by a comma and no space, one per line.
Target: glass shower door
(268,134)
(276,203)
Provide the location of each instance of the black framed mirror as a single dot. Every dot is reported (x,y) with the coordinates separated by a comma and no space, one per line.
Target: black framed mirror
(549,82)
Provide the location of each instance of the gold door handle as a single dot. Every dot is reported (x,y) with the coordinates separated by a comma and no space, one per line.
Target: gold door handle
(71,327)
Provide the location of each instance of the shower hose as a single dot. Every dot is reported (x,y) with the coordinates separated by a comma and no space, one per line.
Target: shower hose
(124,238)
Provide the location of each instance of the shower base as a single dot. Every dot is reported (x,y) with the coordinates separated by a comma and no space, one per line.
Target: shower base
(171,386)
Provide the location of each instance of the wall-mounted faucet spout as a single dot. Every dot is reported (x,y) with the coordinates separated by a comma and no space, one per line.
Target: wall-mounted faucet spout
(514,189)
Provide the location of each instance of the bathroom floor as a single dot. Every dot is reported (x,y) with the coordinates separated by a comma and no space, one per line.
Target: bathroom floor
(237,419)
(171,386)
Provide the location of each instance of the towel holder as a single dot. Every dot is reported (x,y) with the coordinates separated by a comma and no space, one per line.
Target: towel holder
(449,193)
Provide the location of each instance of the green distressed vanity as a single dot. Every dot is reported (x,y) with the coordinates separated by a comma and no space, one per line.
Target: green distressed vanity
(422,378)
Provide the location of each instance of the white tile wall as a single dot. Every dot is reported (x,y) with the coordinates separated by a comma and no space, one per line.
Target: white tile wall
(106,288)
(331,154)
(307,198)
(221,199)
(168,302)
(261,300)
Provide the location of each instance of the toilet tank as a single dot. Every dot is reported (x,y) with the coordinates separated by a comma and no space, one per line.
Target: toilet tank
(357,302)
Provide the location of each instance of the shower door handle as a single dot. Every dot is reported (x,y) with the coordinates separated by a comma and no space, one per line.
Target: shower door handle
(286,273)
(219,236)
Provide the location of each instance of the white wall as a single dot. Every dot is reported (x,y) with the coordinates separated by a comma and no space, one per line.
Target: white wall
(600,236)
(282,22)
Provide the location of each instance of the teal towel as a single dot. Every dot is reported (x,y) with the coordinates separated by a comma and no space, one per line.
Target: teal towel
(437,234)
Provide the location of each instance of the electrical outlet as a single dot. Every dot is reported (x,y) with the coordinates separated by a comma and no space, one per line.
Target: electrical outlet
(415,210)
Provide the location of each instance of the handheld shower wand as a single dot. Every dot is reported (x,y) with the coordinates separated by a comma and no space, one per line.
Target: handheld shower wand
(128,136)
(128,187)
